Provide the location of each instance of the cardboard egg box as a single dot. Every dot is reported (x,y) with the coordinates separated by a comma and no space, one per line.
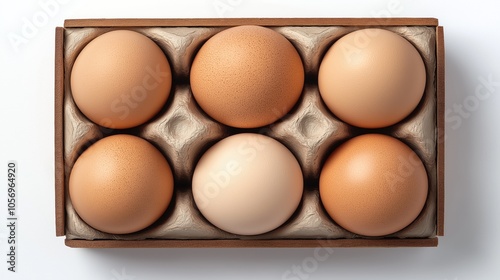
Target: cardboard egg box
(183,132)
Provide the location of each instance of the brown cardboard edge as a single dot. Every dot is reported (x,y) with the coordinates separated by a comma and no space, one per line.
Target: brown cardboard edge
(441,128)
(252,21)
(59,132)
(59,149)
(287,243)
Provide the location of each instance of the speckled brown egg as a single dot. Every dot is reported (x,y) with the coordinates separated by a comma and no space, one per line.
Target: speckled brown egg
(121,184)
(373,185)
(247,76)
(121,79)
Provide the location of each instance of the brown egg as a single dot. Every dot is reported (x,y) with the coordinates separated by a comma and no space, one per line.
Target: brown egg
(121,184)
(372,78)
(121,79)
(373,185)
(247,76)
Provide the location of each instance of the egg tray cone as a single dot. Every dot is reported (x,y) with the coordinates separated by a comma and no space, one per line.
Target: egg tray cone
(182,132)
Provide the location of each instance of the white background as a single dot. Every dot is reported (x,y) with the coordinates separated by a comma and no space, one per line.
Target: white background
(469,250)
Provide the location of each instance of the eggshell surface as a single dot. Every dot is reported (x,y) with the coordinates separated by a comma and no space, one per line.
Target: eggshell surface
(373,185)
(121,184)
(121,79)
(372,78)
(247,76)
(247,184)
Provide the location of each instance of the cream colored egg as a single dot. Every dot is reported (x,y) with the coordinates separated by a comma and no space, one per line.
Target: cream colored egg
(247,184)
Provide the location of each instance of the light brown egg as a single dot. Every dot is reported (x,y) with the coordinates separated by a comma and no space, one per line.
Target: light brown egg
(372,78)
(247,76)
(373,185)
(121,79)
(247,184)
(121,184)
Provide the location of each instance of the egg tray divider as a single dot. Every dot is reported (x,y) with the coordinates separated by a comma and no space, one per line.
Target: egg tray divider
(183,132)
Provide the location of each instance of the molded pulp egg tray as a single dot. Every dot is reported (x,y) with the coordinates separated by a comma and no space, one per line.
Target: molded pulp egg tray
(183,132)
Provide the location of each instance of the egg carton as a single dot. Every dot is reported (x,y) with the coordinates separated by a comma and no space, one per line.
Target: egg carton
(183,132)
